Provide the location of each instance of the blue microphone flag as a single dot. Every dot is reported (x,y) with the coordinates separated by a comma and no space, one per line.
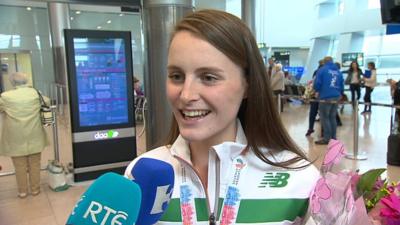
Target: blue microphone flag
(110,200)
(156,180)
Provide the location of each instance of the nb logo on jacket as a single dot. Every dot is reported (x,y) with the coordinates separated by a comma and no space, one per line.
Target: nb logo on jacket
(274,180)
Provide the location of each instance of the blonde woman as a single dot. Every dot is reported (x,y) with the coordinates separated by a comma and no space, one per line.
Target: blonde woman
(23,136)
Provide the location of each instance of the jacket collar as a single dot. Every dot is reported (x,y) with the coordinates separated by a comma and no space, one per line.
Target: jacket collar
(225,150)
(22,86)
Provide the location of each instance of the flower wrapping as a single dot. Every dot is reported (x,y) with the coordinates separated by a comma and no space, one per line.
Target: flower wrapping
(332,201)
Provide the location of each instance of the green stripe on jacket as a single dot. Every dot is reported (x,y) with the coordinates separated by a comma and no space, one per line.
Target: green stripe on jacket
(250,210)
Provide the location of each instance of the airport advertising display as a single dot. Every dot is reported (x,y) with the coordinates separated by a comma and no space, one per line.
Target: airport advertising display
(347,58)
(100,81)
(101,99)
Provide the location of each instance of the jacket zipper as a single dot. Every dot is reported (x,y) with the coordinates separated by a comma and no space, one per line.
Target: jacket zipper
(211,215)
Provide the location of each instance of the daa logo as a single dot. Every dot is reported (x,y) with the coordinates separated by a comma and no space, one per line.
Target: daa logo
(106,135)
(111,216)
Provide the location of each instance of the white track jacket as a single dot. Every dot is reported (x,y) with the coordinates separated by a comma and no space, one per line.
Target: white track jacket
(242,189)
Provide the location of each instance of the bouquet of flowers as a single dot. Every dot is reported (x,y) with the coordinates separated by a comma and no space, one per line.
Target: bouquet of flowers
(350,198)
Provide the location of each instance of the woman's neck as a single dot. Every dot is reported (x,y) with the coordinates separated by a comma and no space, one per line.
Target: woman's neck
(199,151)
(199,157)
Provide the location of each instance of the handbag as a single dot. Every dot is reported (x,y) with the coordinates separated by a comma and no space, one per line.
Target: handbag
(46,114)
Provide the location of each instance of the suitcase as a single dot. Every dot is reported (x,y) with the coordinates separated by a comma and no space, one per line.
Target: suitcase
(393,153)
(393,145)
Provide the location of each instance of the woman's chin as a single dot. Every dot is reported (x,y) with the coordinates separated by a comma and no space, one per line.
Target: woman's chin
(192,136)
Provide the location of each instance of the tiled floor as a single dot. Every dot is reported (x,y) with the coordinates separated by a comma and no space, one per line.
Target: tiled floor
(53,208)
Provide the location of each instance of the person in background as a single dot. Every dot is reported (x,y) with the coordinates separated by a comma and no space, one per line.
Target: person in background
(288,78)
(271,67)
(369,83)
(23,136)
(354,79)
(329,86)
(278,83)
(136,87)
(395,93)
(313,105)
(226,135)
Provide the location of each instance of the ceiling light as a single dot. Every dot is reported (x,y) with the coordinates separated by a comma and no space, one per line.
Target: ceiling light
(72,18)
(98,27)
(108,21)
(28,8)
(78,12)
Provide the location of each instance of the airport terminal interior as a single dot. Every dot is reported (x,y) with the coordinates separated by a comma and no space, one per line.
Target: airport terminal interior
(296,34)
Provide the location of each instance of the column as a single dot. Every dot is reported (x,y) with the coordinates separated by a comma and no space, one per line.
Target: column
(59,20)
(249,14)
(160,17)
(319,49)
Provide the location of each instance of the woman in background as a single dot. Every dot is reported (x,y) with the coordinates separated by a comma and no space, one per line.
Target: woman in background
(369,83)
(278,83)
(23,136)
(354,78)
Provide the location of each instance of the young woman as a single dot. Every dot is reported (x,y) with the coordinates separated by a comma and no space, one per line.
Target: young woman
(233,160)
(354,79)
(370,83)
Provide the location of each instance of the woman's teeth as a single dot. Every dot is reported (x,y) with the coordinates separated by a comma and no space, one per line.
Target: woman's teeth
(196,113)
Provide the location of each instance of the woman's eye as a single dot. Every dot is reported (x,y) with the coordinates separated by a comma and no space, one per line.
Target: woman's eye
(177,77)
(209,78)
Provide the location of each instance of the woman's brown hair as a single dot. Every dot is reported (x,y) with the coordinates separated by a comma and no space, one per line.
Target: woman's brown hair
(258,113)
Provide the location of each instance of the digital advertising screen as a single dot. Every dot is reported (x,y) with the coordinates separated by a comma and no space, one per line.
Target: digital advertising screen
(347,58)
(100,71)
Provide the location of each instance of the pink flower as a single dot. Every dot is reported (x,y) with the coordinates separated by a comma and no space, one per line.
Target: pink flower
(374,214)
(391,207)
(394,187)
(379,184)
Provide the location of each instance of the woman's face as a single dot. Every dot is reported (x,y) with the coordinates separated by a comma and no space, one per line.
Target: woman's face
(354,65)
(205,89)
(136,85)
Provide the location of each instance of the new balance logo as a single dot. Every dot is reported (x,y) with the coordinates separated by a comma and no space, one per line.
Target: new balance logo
(274,180)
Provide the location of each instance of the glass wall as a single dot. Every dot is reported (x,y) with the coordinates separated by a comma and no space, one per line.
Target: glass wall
(26,30)
(385,52)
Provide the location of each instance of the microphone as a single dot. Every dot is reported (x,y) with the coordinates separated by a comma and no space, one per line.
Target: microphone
(110,200)
(156,180)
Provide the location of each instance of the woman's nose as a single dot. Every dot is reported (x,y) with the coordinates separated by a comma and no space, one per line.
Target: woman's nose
(189,91)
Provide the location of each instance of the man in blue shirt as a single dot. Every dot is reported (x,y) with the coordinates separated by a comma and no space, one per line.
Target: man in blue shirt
(329,85)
